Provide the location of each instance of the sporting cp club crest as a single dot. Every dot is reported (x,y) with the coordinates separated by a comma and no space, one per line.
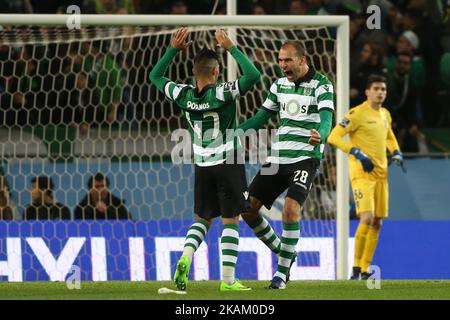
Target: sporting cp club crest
(307,91)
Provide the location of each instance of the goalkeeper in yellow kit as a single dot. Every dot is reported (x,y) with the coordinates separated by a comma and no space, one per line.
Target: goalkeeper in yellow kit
(369,128)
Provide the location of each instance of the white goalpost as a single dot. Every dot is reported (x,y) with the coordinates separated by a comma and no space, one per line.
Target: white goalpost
(259,36)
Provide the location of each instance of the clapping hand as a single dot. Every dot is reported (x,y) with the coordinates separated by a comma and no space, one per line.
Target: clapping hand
(223,40)
(179,37)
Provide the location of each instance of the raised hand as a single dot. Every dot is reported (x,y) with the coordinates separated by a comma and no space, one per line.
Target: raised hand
(223,40)
(179,37)
(315,138)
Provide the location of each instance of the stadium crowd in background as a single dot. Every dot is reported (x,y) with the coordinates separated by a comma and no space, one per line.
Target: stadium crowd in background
(100,203)
(43,205)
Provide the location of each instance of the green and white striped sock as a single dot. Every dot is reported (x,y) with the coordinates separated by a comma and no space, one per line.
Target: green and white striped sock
(194,237)
(264,231)
(289,239)
(229,245)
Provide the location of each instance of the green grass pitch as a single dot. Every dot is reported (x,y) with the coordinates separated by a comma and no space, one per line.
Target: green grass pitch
(208,290)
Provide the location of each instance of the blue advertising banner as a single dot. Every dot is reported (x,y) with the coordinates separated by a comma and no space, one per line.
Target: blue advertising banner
(148,250)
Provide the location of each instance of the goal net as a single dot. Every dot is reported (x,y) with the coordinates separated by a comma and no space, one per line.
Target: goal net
(78,102)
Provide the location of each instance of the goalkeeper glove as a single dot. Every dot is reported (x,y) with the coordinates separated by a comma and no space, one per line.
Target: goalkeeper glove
(397,158)
(365,160)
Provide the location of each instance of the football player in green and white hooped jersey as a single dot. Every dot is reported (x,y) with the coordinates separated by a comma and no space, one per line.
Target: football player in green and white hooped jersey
(304,101)
(220,187)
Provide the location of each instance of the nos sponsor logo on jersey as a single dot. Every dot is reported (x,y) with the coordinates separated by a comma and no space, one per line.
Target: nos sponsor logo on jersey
(293,108)
(196,106)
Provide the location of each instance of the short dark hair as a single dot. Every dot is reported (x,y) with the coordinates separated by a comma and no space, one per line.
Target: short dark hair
(97,177)
(297,45)
(44,183)
(204,61)
(375,78)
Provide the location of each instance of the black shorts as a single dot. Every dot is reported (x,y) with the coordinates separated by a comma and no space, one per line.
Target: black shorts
(221,190)
(296,177)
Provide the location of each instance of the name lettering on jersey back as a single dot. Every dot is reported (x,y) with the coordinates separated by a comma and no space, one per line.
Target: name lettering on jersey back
(196,106)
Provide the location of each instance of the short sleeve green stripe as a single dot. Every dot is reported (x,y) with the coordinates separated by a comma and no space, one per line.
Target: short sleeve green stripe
(325,96)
